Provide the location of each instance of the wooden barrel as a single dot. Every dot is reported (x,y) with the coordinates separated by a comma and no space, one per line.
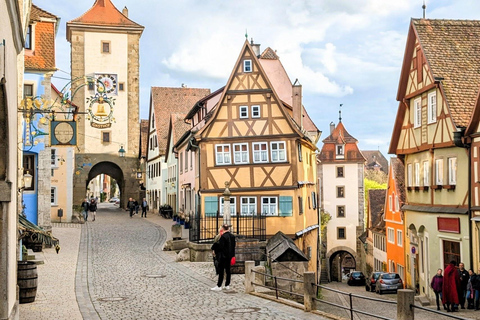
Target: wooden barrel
(27,281)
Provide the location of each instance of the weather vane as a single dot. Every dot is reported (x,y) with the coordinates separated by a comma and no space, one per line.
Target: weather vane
(340,112)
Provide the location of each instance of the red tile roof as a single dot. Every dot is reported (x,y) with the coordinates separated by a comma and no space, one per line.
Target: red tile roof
(398,170)
(452,51)
(340,136)
(104,13)
(42,57)
(167,101)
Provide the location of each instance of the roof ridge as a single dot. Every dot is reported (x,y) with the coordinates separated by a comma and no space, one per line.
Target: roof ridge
(108,5)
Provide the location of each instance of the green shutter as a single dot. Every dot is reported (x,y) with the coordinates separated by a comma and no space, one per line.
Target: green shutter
(211,206)
(286,206)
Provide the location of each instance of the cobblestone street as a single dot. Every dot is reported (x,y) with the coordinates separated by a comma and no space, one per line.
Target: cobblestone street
(122,273)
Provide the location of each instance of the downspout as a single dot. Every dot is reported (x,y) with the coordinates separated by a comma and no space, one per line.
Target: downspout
(193,146)
(459,141)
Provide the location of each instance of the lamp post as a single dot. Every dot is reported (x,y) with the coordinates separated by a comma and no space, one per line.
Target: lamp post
(121,152)
(27,180)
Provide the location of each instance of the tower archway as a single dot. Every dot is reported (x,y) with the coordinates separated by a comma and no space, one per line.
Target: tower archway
(341,260)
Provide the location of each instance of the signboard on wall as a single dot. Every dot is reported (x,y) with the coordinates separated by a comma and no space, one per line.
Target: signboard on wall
(63,133)
(451,225)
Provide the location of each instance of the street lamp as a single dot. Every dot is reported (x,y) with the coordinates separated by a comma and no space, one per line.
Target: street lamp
(121,152)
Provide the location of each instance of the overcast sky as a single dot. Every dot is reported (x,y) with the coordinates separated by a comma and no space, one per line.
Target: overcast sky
(342,51)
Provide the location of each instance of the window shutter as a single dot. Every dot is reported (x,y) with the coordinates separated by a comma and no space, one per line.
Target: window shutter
(286,206)
(211,206)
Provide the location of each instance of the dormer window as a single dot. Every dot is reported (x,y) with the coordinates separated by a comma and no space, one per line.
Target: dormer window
(247,66)
(28,38)
(340,151)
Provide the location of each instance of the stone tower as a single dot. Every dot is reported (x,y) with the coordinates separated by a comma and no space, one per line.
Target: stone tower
(105,47)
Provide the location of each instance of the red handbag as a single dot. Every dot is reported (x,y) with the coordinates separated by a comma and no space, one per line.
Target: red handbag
(232,262)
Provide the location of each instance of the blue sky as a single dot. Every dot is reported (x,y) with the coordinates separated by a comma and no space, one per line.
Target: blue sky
(342,51)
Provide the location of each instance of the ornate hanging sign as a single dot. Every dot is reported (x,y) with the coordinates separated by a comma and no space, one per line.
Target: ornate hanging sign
(63,133)
(100,110)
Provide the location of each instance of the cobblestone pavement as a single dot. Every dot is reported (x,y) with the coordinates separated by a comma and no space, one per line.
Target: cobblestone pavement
(122,273)
(386,310)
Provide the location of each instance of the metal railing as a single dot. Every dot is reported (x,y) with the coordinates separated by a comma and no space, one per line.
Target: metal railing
(204,229)
(275,287)
(448,315)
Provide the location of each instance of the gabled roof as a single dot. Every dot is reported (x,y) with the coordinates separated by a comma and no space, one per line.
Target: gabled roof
(200,103)
(376,205)
(176,129)
(103,13)
(143,138)
(37,14)
(340,135)
(282,248)
(166,101)
(375,158)
(398,170)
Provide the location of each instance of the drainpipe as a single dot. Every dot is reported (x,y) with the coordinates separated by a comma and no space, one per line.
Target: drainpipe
(459,141)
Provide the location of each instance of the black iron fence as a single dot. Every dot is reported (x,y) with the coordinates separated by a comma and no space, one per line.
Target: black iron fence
(204,229)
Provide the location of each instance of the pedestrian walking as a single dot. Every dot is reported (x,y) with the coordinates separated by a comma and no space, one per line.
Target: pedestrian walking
(85,206)
(135,202)
(144,207)
(131,206)
(464,276)
(92,207)
(451,284)
(216,250)
(471,296)
(437,285)
(476,287)
(226,258)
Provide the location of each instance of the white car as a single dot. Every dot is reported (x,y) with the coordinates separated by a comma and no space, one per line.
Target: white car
(114,200)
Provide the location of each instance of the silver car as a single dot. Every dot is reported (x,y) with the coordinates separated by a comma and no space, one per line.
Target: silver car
(388,282)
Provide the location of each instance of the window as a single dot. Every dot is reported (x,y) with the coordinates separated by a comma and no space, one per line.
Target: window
(105,136)
(314,200)
(397,203)
(240,153)
(417,116)
(53,158)
(340,211)
(341,192)
(340,172)
(28,91)
(439,172)
(400,238)
(425,173)
(401,270)
(260,153)
(278,152)
(417,174)
(106,46)
(341,233)
(391,235)
(451,252)
(247,66)
(186,161)
(390,204)
(340,151)
(53,196)
(299,147)
(121,86)
(28,38)
(452,171)
(409,175)
(29,167)
(432,107)
(269,206)
(243,112)
(181,162)
(248,206)
(223,154)
(91,85)
(300,205)
(256,111)
(233,207)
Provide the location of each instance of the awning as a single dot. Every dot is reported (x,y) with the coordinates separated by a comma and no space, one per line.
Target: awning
(35,233)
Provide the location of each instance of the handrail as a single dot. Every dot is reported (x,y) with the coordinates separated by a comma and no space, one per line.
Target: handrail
(354,295)
(279,278)
(438,312)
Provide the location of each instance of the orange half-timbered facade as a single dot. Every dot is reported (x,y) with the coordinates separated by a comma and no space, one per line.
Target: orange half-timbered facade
(435,106)
(264,147)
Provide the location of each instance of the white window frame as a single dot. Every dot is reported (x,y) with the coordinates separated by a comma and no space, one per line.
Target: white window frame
(241,110)
(247,65)
(233,206)
(409,175)
(417,115)
(432,107)
(452,171)
(399,238)
(340,151)
(53,158)
(277,153)
(241,153)
(417,174)
(256,111)
(390,203)
(248,208)
(53,191)
(397,203)
(260,152)
(391,235)
(426,174)
(269,209)
(225,156)
(439,172)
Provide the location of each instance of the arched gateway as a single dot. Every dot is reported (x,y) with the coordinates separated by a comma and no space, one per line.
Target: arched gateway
(341,260)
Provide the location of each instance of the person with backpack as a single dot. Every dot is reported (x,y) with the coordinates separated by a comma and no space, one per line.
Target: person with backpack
(226,258)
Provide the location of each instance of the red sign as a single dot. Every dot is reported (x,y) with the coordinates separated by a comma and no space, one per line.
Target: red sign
(451,225)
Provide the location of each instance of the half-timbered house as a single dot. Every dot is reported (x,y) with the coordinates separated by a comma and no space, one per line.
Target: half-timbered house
(256,135)
(437,91)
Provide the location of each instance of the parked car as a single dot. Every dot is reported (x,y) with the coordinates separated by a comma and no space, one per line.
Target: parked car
(371,281)
(113,200)
(388,282)
(356,278)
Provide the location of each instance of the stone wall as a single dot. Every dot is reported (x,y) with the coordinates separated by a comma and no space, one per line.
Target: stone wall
(77,56)
(44,188)
(133,88)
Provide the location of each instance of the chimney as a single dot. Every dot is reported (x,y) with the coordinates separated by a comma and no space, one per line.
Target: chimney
(256,48)
(332,127)
(125,11)
(297,103)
